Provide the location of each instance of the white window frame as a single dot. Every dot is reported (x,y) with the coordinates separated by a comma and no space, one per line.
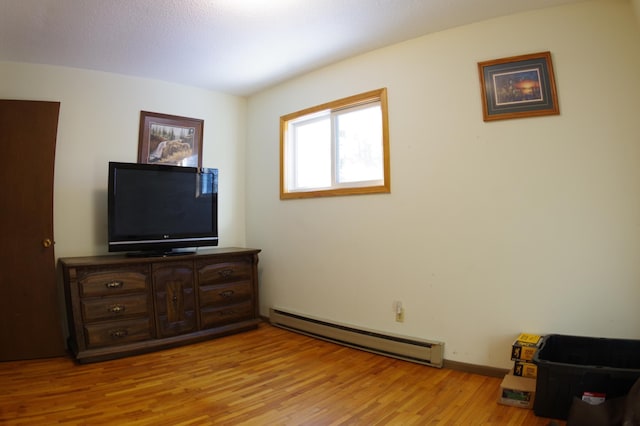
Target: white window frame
(288,189)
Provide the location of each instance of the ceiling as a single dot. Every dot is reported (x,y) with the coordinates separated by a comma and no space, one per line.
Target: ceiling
(231,46)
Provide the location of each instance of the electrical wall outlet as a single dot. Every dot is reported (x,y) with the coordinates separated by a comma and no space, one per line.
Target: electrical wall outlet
(399,311)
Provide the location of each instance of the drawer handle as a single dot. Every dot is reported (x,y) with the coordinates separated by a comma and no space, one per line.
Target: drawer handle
(119,333)
(226,313)
(116,309)
(114,284)
(227,294)
(226,273)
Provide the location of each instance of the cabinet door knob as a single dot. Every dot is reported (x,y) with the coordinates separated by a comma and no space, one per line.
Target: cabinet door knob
(114,284)
(226,273)
(116,309)
(118,333)
(226,294)
(47,242)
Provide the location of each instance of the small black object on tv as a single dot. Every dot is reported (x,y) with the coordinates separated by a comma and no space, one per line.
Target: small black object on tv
(154,209)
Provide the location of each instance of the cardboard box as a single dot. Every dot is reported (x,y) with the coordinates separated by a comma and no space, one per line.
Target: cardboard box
(517,391)
(525,369)
(525,346)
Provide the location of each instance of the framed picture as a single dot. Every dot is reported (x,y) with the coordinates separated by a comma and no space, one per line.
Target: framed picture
(169,139)
(519,86)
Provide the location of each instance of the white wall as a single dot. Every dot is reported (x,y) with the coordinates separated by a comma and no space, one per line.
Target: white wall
(491,228)
(99,122)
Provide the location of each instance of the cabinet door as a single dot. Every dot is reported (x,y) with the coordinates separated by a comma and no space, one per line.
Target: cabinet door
(175,300)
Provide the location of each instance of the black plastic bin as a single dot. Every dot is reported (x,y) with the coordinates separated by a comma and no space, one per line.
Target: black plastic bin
(568,366)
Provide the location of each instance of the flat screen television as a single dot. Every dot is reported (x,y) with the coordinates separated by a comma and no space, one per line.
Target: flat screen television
(155,209)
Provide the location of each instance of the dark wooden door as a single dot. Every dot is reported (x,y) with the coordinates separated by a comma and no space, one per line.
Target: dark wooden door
(173,285)
(30,325)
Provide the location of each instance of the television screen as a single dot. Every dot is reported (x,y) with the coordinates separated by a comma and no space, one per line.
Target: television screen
(154,207)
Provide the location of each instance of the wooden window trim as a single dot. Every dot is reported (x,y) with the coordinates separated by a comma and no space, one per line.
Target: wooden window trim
(379,94)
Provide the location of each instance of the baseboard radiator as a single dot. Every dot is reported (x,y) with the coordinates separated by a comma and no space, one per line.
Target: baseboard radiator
(425,352)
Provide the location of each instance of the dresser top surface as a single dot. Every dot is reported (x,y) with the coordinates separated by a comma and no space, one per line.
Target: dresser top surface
(124,259)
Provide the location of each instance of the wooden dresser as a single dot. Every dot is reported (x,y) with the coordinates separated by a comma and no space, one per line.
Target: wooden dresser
(119,306)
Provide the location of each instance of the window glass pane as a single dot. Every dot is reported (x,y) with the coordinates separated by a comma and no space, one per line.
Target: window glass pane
(312,154)
(360,156)
(336,148)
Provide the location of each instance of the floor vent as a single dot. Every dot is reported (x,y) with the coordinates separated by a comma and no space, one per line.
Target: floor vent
(409,349)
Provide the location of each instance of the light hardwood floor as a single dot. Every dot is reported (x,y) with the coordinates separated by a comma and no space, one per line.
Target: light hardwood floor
(268,376)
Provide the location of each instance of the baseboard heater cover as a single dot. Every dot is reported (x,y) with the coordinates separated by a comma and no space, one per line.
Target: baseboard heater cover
(421,351)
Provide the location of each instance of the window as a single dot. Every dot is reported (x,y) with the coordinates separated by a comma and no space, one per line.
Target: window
(338,148)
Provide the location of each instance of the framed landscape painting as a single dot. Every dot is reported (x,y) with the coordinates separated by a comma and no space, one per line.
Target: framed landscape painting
(170,139)
(519,86)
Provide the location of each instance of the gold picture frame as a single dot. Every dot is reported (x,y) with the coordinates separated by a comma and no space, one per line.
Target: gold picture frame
(518,86)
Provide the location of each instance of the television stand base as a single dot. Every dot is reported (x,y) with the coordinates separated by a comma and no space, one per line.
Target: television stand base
(159,253)
(119,306)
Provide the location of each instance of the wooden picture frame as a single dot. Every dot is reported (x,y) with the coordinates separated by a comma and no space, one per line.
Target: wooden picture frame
(170,139)
(518,86)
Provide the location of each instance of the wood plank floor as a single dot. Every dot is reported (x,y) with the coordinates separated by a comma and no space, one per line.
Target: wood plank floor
(268,376)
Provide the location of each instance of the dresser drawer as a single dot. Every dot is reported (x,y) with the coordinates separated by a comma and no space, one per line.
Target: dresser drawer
(112,282)
(115,307)
(226,294)
(117,332)
(220,273)
(213,317)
